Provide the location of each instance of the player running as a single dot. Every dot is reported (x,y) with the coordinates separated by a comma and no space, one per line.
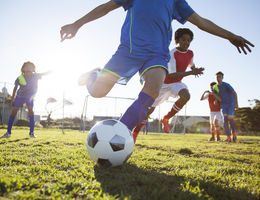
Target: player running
(215,114)
(181,59)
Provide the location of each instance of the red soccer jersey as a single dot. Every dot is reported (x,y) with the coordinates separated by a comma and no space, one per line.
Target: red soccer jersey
(178,63)
(213,104)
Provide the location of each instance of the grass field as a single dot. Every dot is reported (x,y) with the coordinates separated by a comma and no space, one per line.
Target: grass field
(57,166)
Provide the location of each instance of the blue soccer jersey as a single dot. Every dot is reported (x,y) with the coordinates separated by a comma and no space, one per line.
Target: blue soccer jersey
(30,88)
(147,28)
(225,91)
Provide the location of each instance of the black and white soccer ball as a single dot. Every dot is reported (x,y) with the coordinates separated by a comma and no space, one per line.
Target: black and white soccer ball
(110,143)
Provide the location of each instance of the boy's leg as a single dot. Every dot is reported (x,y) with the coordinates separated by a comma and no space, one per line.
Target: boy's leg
(212,131)
(217,120)
(31,119)
(226,127)
(212,127)
(217,131)
(98,82)
(184,98)
(137,128)
(137,112)
(233,127)
(11,121)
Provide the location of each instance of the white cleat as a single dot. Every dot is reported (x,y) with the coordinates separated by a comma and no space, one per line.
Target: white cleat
(32,135)
(7,135)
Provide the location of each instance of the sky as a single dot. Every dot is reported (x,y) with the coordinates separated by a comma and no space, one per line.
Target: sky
(30,32)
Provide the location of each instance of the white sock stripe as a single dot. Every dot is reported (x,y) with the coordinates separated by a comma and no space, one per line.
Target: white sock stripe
(176,108)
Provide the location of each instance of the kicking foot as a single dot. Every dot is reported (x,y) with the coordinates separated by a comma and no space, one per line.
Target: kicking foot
(83,79)
(211,139)
(6,135)
(165,126)
(218,139)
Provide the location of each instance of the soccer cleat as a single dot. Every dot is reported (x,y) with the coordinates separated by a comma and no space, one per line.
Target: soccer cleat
(83,79)
(32,135)
(211,139)
(234,138)
(165,126)
(228,139)
(218,139)
(6,135)
(135,134)
(136,130)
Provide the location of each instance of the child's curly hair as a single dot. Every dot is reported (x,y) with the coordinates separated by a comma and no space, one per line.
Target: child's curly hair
(181,31)
(28,64)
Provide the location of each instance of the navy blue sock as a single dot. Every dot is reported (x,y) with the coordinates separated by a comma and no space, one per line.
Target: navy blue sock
(31,118)
(232,125)
(226,126)
(10,123)
(136,113)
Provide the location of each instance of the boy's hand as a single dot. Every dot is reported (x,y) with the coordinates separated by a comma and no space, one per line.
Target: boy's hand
(197,71)
(241,43)
(68,31)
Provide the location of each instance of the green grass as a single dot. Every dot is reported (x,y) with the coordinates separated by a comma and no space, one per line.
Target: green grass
(57,166)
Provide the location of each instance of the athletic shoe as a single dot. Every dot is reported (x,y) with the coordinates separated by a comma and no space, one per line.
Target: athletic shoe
(234,138)
(6,135)
(228,139)
(136,130)
(211,139)
(218,139)
(32,135)
(135,134)
(165,126)
(83,79)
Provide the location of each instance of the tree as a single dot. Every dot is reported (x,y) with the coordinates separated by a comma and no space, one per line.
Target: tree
(248,118)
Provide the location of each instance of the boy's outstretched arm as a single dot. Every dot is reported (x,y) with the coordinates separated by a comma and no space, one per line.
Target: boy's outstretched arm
(203,95)
(69,31)
(210,27)
(195,71)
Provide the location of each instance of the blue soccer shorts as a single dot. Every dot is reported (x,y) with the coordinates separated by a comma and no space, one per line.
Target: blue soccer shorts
(19,101)
(228,109)
(124,65)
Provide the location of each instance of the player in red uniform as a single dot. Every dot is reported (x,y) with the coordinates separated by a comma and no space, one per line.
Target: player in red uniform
(181,59)
(215,114)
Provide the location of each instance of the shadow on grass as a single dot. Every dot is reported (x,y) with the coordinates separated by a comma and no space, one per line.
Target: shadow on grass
(141,183)
(17,140)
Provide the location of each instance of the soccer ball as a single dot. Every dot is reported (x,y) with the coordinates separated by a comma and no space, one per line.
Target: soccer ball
(110,143)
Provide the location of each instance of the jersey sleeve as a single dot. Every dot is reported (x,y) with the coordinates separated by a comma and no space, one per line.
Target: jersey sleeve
(182,11)
(191,61)
(172,63)
(206,96)
(230,88)
(125,3)
(16,83)
(38,76)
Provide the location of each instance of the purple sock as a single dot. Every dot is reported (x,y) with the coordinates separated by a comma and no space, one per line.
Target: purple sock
(136,113)
(232,125)
(10,123)
(226,127)
(31,118)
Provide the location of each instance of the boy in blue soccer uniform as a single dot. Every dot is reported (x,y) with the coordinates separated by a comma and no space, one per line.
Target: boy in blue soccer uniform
(145,38)
(27,85)
(228,105)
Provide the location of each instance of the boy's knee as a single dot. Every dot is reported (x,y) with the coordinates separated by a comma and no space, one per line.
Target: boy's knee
(184,95)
